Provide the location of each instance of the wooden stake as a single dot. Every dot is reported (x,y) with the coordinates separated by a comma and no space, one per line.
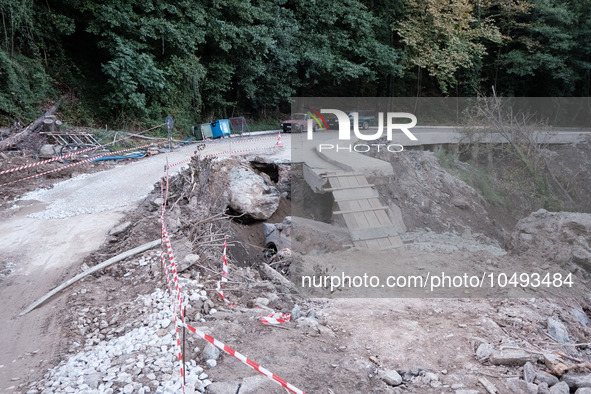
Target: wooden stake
(184,354)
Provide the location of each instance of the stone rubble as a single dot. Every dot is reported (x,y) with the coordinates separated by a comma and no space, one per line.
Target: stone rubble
(142,360)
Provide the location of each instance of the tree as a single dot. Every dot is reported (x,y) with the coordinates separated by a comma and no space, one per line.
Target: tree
(444,38)
(545,52)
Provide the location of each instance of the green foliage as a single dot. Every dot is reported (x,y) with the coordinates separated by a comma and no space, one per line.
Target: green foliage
(133,63)
(134,79)
(544,52)
(444,37)
(23,86)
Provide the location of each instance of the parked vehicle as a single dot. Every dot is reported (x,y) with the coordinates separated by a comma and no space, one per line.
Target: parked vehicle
(298,123)
(364,119)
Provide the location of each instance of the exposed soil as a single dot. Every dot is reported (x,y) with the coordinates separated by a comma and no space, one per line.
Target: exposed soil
(338,345)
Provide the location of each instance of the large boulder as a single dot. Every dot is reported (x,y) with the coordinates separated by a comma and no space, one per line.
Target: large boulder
(251,194)
(562,236)
(47,151)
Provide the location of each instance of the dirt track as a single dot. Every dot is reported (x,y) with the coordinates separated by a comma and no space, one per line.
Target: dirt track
(48,232)
(344,348)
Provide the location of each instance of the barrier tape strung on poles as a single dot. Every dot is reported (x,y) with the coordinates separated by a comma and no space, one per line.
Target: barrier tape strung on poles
(180,162)
(76,164)
(252,140)
(176,297)
(224,276)
(165,240)
(238,151)
(38,163)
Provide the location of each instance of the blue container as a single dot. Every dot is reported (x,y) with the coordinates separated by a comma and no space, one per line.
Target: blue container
(220,128)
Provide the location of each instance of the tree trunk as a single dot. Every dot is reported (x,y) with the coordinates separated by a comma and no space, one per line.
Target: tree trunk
(20,136)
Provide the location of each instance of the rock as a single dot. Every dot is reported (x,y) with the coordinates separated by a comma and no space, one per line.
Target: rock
(46,151)
(261,301)
(128,389)
(390,377)
(584,390)
(93,380)
(158,202)
(210,352)
(120,228)
(257,384)
(518,386)
(296,312)
(510,357)
(581,316)
(164,323)
(211,363)
(529,373)
(559,388)
(460,203)
(187,262)
(557,330)
(429,377)
(467,391)
(222,388)
(251,195)
(542,376)
(558,236)
(161,332)
(577,380)
(543,388)
(484,351)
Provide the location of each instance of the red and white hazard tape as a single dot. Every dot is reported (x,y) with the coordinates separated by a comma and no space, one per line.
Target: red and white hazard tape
(176,325)
(165,266)
(74,164)
(38,163)
(180,162)
(239,151)
(175,277)
(245,360)
(224,276)
(252,140)
(276,318)
(74,153)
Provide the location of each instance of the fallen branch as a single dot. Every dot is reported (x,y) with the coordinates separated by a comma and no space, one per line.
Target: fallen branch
(488,385)
(276,276)
(98,267)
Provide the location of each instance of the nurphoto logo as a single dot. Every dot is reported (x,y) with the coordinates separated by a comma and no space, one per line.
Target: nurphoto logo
(346,120)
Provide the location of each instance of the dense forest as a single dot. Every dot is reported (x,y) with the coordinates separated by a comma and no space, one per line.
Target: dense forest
(127,61)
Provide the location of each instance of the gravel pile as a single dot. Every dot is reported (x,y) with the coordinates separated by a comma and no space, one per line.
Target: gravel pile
(143,360)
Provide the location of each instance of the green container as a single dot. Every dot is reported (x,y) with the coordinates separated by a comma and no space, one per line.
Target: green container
(206,131)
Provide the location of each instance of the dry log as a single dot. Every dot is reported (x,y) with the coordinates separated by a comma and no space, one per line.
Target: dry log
(18,137)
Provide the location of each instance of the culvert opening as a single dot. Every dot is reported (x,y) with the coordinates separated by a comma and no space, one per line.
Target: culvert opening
(270,169)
